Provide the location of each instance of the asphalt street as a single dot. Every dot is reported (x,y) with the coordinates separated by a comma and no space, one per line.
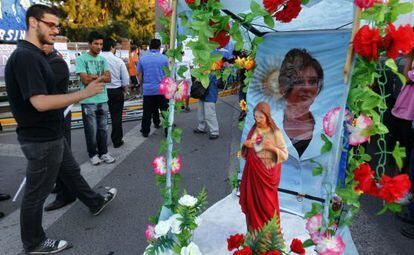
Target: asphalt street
(120,228)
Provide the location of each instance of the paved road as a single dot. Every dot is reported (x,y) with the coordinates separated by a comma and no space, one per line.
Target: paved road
(120,228)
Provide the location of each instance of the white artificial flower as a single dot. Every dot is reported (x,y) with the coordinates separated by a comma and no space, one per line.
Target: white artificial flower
(187,200)
(191,249)
(175,223)
(162,228)
(198,221)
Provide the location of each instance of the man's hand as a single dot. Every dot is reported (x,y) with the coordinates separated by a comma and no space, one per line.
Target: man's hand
(94,87)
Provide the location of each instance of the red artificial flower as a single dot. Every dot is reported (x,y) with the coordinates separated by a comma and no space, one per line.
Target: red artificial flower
(222,37)
(245,251)
(364,175)
(365,4)
(290,11)
(235,241)
(190,1)
(272,5)
(275,252)
(399,40)
(297,247)
(366,42)
(394,188)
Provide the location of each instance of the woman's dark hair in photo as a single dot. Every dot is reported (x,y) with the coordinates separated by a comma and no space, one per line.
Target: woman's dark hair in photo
(295,61)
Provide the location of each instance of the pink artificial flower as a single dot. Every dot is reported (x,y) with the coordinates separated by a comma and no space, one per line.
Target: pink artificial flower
(167,87)
(360,124)
(330,121)
(160,166)
(329,245)
(314,223)
(150,232)
(165,7)
(176,165)
(182,91)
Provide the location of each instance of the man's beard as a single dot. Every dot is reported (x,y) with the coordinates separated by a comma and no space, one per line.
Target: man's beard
(42,37)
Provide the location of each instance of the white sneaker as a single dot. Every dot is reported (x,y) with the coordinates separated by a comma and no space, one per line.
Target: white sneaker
(95,160)
(107,158)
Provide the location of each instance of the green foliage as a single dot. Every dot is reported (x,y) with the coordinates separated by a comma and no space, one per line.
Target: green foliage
(177,134)
(160,245)
(316,208)
(133,19)
(269,238)
(399,154)
(318,170)
(327,146)
(393,207)
(234,180)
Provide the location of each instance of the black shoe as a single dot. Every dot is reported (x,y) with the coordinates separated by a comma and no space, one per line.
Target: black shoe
(213,137)
(157,126)
(108,197)
(405,217)
(49,246)
(198,131)
(2,215)
(119,144)
(57,204)
(4,197)
(145,134)
(407,231)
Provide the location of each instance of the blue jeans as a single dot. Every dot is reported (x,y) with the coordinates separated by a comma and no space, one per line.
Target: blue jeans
(95,122)
(46,162)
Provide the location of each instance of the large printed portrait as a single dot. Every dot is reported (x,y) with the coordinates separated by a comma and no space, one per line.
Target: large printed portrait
(300,75)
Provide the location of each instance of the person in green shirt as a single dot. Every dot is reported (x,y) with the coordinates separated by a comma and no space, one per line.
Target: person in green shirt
(91,66)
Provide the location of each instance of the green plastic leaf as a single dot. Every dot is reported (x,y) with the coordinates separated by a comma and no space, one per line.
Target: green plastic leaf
(327,146)
(309,242)
(166,70)
(181,71)
(163,146)
(269,21)
(316,171)
(176,135)
(390,63)
(316,208)
(399,154)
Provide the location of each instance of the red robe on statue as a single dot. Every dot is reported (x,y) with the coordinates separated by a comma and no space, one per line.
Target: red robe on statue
(258,189)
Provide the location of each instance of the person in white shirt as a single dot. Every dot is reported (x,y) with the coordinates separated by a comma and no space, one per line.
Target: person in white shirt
(116,90)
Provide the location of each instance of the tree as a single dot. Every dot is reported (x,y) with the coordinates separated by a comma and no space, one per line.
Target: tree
(134,19)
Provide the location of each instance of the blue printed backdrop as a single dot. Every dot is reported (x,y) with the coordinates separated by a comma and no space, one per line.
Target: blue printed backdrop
(329,48)
(12,19)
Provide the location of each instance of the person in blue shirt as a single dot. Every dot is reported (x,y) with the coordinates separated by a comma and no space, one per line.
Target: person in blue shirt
(150,74)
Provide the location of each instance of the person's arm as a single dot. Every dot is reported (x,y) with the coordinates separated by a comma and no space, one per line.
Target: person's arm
(105,77)
(124,74)
(52,102)
(87,78)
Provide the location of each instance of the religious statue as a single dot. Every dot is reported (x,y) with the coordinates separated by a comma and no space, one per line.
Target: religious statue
(264,150)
